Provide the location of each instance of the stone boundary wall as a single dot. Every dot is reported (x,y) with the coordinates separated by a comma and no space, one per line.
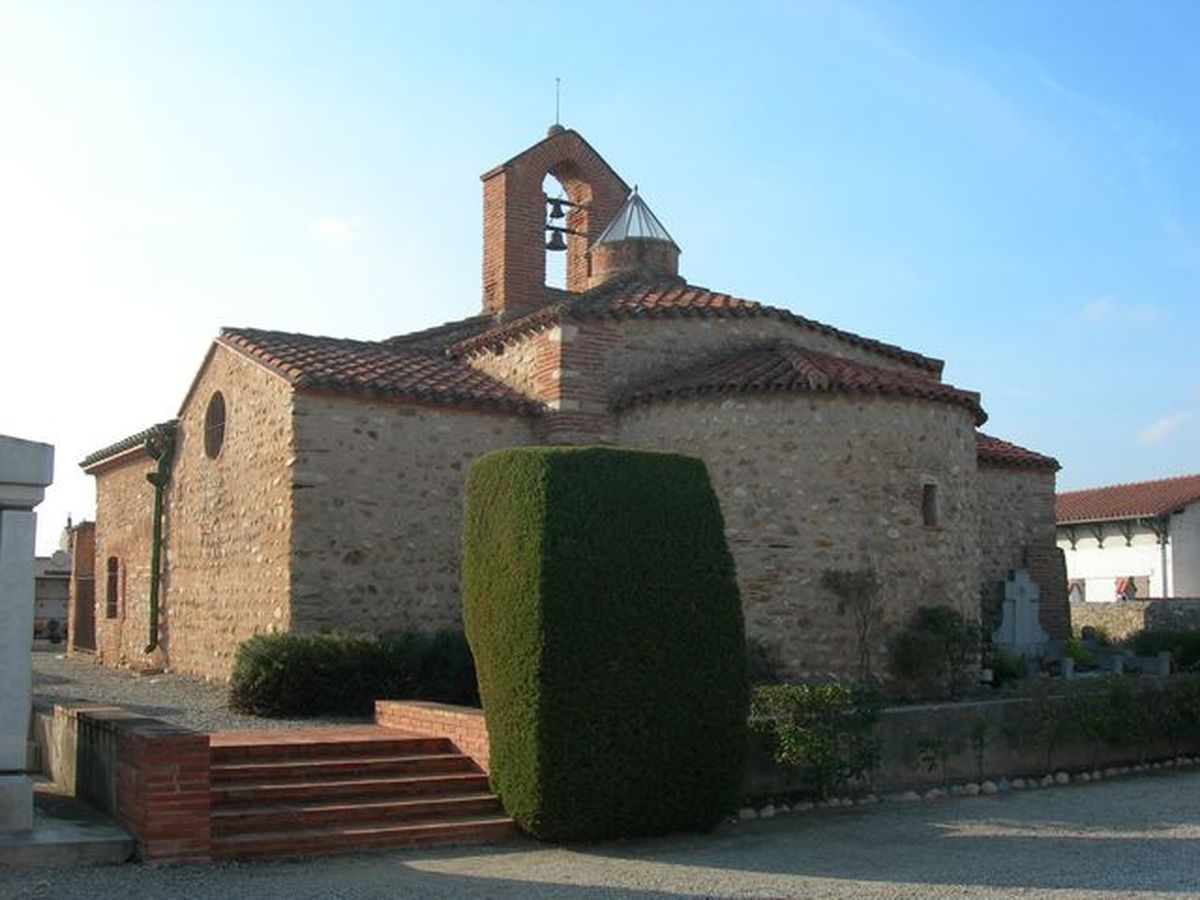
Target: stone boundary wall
(464,725)
(1122,619)
(152,777)
(900,728)
(1004,754)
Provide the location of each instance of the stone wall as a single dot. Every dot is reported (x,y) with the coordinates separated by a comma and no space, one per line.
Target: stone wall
(124,500)
(228,523)
(1122,619)
(529,364)
(1017,530)
(378,510)
(150,776)
(815,482)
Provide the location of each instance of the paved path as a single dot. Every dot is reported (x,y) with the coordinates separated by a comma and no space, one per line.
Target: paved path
(1137,837)
(178,699)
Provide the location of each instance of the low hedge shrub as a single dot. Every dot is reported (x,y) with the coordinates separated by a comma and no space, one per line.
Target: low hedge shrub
(826,731)
(602,607)
(1184,646)
(277,675)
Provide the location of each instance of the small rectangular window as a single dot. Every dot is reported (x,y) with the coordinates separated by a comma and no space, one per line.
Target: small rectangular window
(112,586)
(929,505)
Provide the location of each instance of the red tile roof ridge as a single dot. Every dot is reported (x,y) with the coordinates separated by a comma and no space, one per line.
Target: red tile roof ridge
(784,367)
(671,297)
(1127,500)
(1004,454)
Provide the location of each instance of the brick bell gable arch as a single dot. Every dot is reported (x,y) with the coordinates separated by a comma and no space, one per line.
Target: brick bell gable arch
(514,218)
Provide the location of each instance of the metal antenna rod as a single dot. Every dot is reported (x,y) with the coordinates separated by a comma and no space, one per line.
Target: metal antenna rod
(557,87)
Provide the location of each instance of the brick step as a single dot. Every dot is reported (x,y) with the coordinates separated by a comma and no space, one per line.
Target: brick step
(351,839)
(226,796)
(301,816)
(334,769)
(233,753)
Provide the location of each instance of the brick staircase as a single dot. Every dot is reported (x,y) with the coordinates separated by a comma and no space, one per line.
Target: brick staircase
(342,790)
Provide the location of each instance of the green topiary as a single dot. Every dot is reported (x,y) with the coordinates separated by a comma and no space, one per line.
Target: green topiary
(601,605)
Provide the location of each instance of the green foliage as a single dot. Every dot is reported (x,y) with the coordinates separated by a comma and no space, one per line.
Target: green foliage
(1117,712)
(935,654)
(1074,650)
(858,590)
(1005,665)
(602,608)
(308,675)
(827,731)
(1184,646)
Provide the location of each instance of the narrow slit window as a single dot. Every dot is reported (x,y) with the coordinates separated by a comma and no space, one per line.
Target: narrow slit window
(112,586)
(929,505)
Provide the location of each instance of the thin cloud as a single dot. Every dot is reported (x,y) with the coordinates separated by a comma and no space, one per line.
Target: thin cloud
(1098,310)
(1157,432)
(337,229)
(1104,310)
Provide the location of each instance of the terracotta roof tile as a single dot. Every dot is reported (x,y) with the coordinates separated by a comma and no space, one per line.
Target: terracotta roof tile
(439,337)
(669,298)
(787,368)
(373,368)
(992,451)
(1128,501)
(153,433)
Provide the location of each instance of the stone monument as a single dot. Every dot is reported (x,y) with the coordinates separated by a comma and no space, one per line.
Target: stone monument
(26,468)
(1020,629)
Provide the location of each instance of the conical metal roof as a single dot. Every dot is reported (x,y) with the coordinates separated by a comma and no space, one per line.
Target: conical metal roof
(635,221)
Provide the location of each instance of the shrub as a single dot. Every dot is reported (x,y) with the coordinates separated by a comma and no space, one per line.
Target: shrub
(308,675)
(1184,646)
(935,654)
(602,608)
(827,731)
(1006,665)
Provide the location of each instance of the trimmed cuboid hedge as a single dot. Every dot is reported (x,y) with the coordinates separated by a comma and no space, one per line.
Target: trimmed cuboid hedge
(602,609)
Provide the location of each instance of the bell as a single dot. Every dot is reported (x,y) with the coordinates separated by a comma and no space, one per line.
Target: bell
(556,208)
(556,241)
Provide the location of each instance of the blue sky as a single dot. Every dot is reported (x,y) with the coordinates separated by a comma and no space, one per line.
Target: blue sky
(1012,187)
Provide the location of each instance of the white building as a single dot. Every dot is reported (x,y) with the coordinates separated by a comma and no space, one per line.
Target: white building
(1130,541)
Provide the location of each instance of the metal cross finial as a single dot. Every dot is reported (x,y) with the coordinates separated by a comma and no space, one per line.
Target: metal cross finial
(557,90)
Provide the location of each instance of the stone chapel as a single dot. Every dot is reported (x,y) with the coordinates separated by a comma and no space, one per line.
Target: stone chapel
(311,483)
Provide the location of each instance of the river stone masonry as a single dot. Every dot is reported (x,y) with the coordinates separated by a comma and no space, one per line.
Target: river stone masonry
(316,482)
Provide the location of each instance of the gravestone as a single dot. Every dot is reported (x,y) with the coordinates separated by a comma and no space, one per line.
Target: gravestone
(25,470)
(1020,628)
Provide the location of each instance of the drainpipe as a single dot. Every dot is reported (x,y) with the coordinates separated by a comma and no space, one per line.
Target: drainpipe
(161,447)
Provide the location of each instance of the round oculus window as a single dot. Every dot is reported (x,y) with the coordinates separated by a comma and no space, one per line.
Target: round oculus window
(214,425)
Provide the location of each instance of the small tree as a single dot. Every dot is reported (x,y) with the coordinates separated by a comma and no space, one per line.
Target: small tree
(935,652)
(858,591)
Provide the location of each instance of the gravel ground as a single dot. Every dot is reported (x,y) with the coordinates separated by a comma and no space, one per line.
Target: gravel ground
(1137,837)
(179,699)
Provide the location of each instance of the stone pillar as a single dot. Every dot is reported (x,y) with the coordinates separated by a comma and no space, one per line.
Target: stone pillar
(26,468)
